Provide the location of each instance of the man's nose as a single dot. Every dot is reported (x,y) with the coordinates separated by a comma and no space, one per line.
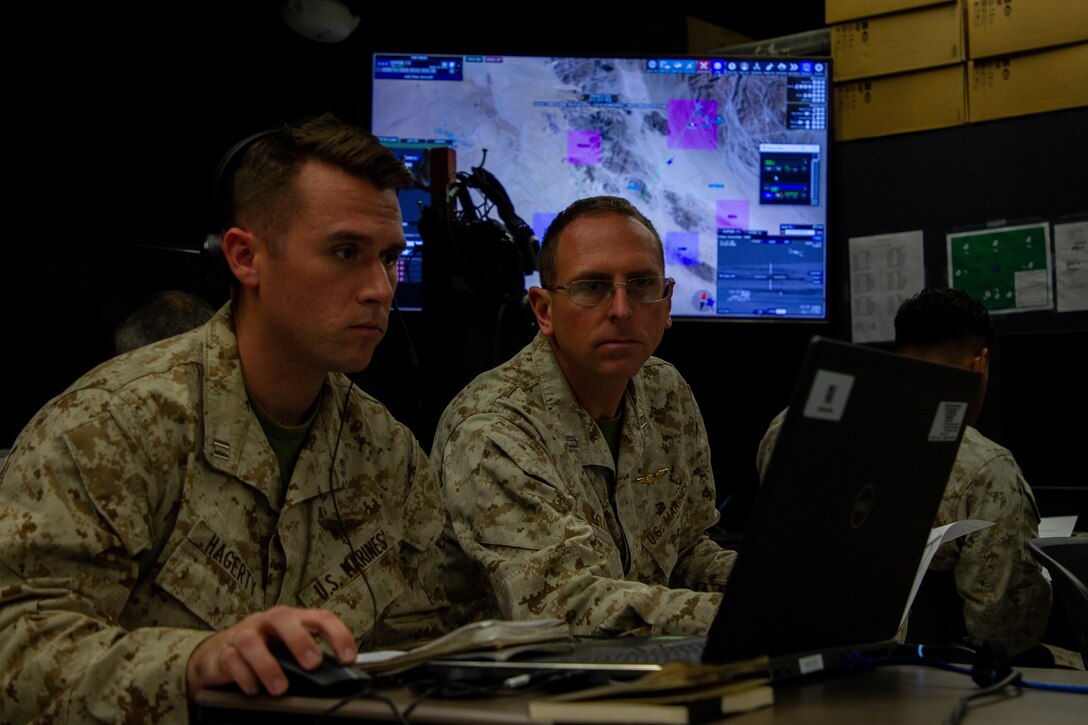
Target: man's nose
(378,283)
(619,307)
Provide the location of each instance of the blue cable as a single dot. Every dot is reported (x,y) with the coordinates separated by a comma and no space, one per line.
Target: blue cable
(938,664)
(1078,689)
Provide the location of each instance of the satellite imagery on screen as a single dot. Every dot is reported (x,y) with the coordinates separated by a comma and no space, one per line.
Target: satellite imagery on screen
(726,156)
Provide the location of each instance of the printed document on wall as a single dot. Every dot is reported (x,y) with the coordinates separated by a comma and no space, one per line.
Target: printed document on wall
(1071,266)
(885,269)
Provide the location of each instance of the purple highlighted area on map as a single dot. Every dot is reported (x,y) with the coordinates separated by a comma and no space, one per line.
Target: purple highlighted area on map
(732,213)
(682,248)
(692,125)
(541,221)
(584,147)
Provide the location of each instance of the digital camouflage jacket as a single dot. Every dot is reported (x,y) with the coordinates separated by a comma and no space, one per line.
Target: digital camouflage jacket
(561,530)
(142,508)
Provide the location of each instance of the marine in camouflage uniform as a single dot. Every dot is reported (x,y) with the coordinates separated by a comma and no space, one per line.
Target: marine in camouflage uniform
(143,507)
(561,529)
(614,541)
(181,510)
(1005,596)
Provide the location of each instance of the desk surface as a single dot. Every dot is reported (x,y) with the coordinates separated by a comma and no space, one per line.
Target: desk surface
(897,694)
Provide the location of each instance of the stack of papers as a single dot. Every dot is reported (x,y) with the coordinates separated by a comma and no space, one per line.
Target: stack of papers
(494,639)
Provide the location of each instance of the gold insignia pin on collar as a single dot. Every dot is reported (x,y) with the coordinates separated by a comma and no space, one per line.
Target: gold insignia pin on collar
(651,478)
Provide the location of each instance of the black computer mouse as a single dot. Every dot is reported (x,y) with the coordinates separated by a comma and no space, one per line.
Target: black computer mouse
(329,679)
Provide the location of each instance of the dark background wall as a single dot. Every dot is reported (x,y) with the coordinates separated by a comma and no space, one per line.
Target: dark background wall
(115,118)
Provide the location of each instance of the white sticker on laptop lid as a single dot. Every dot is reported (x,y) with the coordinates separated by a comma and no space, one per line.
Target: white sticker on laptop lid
(810,663)
(828,395)
(948,421)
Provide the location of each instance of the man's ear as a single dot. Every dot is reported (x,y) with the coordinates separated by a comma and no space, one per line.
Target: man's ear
(541,301)
(980,363)
(240,252)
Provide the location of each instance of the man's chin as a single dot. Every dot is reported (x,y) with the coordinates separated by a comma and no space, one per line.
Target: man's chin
(625,366)
(355,365)
(357,357)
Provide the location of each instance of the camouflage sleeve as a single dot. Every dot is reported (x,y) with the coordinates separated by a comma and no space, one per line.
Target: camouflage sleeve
(702,565)
(705,568)
(74,528)
(1005,596)
(444,589)
(513,515)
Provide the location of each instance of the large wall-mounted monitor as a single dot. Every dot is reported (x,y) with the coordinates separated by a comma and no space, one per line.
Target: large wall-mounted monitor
(727,156)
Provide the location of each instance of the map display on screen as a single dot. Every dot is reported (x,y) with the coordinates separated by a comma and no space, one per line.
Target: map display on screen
(727,157)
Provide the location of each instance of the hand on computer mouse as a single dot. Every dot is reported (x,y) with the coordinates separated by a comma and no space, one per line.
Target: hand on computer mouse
(331,678)
(240,654)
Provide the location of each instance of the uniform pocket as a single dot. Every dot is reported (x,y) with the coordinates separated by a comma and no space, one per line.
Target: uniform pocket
(661,538)
(207,575)
(516,502)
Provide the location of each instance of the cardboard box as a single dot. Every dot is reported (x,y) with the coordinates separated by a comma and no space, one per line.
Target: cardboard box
(903,103)
(1000,27)
(897,43)
(1046,80)
(836,11)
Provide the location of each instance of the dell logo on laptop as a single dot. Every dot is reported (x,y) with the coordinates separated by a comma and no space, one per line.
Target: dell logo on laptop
(863,506)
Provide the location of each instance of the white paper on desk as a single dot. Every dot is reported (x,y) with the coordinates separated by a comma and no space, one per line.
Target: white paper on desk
(1051,526)
(885,269)
(938,536)
(364,658)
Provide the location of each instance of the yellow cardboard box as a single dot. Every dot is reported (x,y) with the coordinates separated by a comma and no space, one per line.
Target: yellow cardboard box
(1018,85)
(897,43)
(902,103)
(1000,27)
(836,11)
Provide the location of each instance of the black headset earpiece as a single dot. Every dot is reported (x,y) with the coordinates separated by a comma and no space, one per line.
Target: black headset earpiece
(215,264)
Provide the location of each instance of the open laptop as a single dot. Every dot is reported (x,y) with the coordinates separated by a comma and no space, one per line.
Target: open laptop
(839,525)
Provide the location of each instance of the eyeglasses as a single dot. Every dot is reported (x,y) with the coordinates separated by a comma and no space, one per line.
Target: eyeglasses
(592,292)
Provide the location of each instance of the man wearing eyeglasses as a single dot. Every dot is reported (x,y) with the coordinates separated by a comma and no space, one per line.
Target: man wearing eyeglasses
(578,473)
